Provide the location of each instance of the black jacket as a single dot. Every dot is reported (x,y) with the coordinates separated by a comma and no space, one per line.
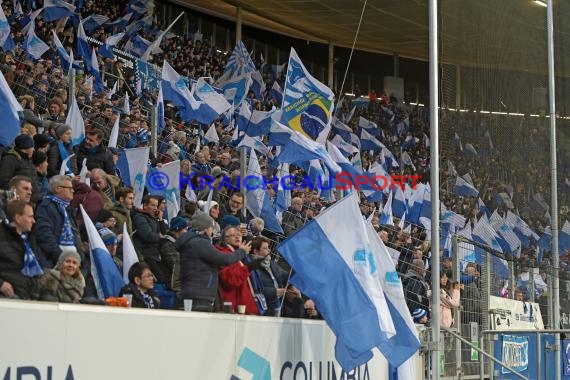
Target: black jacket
(12,261)
(100,157)
(54,159)
(147,235)
(13,163)
(199,265)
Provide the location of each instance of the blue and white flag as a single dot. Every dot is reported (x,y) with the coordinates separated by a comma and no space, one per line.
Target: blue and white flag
(94,21)
(257,200)
(299,148)
(121,22)
(345,165)
(172,190)
(75,120)
(345,148)
(108,280)
(175,88)
(236,89)
(283,196)
(369,142)
(386,216)
(399,204)
(405,343)
(339,272)
(484,233)
(211,97)
(239,63)
(94,70)
(464,189)
(255,143)
(6,40)
(256,123)
(63,56)
(106,50)
(33,45)
(257,85)
(564,238)
(132,167)
(83,49)
(307,103)
(212,135)
(126,104)
(56,9)
(276,93)
(342,130)
(370,126)
(10,110)
(129,254)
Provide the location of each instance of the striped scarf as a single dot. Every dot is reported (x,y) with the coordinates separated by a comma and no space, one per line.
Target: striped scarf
(66,238)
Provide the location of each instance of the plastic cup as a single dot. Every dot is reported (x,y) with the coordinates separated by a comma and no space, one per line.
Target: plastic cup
(129,298)
(187,305)
(241,309)
(228,307)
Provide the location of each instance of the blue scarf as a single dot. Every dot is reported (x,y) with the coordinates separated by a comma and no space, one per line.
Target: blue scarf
(31,266)
(63,153)
(66,237)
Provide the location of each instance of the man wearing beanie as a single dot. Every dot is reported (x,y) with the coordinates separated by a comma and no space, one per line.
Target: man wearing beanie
(200,262)
(61,149)
(18,161)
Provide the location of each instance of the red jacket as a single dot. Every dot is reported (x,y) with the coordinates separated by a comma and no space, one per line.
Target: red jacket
(234,286)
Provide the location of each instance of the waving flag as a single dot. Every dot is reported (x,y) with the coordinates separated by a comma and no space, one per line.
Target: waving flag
(276,93)
(386,216)
(56,9)
(114,133)
(345,148)
(370,126)
(106,50)
(94,70)
(369,142)
(339,272)
(121,22)
(93,22)
(34,46)
(307,103)
(10,109)
(342,129)
(6,40)
(83,49)
(299,148)
(106,275)
(132,167)
(405,343)
(210,97)
(236,89)
(129,254)
(75,120)
(257,200)
(239,63)
(211,135)
(63,56)
(464,189)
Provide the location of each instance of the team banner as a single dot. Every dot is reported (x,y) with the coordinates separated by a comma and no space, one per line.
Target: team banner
(515,353)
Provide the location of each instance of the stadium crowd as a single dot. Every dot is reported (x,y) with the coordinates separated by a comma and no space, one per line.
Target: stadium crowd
(211,252)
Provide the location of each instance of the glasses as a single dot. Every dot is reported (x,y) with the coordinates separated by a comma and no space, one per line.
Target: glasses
(148,276)
(66,187)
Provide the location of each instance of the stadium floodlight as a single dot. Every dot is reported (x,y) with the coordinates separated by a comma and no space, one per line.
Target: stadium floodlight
(541,3)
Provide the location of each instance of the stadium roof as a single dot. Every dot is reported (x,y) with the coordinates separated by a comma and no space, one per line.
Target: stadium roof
(510,34)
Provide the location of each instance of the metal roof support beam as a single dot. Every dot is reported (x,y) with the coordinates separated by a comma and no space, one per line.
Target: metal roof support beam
(238,24)
(330,78)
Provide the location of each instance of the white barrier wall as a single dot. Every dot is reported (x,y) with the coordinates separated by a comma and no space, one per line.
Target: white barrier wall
(45,341)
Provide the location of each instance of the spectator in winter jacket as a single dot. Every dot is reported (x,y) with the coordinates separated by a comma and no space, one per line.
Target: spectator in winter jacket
(169,253)
(148,232)
(56,227)
(235,286)
(22,187)
(140,286)
(415,287)
(19,256)
(200,262)
(106,185)
(96,154)
(40,161)
(122,209)
(61,149)
(18,161)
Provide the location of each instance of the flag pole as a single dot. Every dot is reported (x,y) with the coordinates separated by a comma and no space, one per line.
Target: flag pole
(434,179)
(553,188)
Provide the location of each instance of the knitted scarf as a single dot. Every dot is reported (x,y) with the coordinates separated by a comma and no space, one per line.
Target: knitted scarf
(66,238)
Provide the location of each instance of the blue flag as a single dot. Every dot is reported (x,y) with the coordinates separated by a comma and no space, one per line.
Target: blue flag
(9,114)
